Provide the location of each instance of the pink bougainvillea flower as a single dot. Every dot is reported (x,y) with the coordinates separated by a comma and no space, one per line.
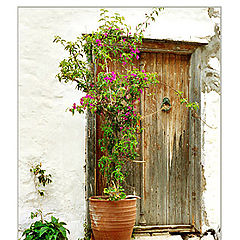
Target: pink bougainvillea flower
(74,106)
(137,57)
(124,63)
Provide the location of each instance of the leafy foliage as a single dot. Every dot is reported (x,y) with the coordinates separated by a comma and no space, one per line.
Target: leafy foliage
(87,232)
(112,95)
(190,105)
(46,230)
(40,178)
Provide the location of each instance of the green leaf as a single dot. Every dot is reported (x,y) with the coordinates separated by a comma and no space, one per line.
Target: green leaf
(32,215)
(43,230)
(38,224)
(54,220)
(63,231)
(55,237)
(29,237)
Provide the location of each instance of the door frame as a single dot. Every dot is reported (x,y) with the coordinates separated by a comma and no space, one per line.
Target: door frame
(163,46)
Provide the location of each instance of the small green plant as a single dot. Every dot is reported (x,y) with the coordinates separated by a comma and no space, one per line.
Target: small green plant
(87,232)
(43,229)
(190,105)
(41,179)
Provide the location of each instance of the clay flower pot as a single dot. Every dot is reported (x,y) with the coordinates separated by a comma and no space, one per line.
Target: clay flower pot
(112,220)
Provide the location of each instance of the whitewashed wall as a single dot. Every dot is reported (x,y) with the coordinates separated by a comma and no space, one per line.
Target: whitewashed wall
(52,136)
(211,90)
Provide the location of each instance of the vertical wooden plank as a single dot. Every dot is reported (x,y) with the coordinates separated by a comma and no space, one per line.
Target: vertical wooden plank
(164,143)
(154,162)
(138,167)
(161,199)
(186,144)
(150,121)
(195,141)
(191,143)
(166,123)
(171,142)
(142,220)
(177,108)
(90,158)
(183,113)
(184,132)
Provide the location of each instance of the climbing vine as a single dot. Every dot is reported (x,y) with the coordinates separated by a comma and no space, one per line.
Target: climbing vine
(110,94)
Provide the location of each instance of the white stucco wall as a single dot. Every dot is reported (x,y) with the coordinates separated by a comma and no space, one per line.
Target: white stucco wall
(210,104)
(52,136)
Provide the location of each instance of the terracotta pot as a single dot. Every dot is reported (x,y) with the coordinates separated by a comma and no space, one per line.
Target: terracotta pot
(112,220)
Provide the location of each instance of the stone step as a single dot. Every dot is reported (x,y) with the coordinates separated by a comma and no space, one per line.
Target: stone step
(167,237)
(158,237)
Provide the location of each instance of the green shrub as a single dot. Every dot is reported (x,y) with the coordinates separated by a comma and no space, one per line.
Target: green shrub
(42,229)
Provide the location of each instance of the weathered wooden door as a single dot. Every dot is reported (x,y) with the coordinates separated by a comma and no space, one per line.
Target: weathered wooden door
(165,142)
(169,179)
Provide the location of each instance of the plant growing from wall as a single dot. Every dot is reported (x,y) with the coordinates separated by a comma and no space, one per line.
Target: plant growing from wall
(109,94)
(41,179)
(87,232)
(45,230)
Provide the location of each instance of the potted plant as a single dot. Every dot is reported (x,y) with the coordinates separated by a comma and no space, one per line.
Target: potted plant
(113,96)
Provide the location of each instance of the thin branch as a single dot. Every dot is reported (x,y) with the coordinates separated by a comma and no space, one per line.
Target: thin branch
(194,114)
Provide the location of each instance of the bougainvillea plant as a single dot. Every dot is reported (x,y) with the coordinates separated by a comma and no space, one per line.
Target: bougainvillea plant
(109,94)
